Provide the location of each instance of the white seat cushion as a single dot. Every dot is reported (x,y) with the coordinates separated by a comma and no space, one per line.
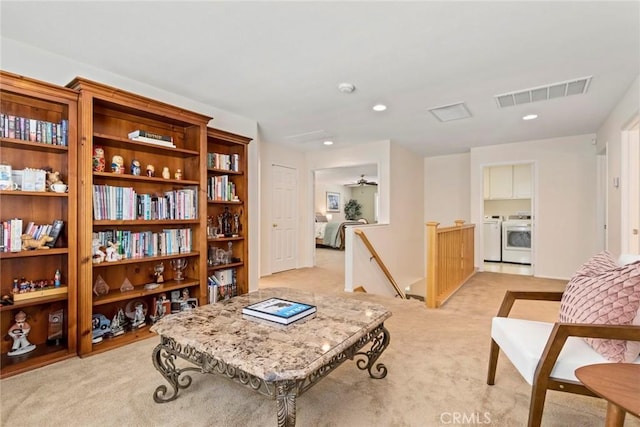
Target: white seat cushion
(523,342)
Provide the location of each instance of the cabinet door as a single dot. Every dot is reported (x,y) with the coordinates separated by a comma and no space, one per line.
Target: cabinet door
(522,181)
(501,182)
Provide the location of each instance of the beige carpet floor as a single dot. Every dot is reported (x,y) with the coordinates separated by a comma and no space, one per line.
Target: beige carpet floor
(436,360)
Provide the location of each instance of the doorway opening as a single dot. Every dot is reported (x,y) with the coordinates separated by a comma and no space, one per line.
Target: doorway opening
(508,220)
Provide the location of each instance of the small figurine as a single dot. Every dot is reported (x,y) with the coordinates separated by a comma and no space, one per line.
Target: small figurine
(178,174)
(98,159)
(112,252)
(117,164)
(118,323)
(98,252)
(135,167)
(138,317)
(158,270)
(19,331)
(151,171)
(56,279)
(101,326)
(165,172)
(28,242)
(53,178)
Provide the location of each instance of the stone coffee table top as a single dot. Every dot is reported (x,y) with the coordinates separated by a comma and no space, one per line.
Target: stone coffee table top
(270,351)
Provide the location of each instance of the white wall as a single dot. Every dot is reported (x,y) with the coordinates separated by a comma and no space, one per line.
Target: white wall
(609,138)
(32,62)
(447,191)
(565,217)
(320,199)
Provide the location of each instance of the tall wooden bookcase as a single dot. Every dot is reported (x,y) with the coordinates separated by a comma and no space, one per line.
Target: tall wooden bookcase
(107,116)
(42,105)
(227,162)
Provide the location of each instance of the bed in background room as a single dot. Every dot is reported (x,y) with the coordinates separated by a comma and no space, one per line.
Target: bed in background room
(330,234)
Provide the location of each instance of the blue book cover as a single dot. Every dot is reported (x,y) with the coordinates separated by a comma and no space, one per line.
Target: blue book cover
(279,310)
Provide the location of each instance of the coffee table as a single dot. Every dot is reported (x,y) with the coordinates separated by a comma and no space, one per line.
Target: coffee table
(278,361)
(618,384)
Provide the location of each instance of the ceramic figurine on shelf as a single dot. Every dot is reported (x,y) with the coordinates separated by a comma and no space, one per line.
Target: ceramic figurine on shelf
(18,332)
(165,172)
(117,164)
(98,159)
(135,167)
(118,323)
(178,174)
(112,252)
(151,171)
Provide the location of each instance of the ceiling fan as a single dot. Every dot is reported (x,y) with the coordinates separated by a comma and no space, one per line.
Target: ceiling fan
(361,182)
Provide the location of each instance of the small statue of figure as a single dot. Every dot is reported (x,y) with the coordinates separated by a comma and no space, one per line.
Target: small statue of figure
(178,174)
(158,270)
(135,167)
(151,171)
(226,222)
(117,164)
(19,331)
(138,317)
(165,172)
(112,252)
(118,323)
(236,224)
(98,159)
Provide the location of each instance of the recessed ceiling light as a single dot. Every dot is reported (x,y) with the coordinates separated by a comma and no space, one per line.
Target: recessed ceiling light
(379,107)
(328,143)
(530,117)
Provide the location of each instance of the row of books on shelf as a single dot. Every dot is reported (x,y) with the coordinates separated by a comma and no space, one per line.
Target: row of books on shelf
(124,203)
(33,130)
(222,285)
(140,244)
(221,188)
(230,162)
(12,234)
(151,138)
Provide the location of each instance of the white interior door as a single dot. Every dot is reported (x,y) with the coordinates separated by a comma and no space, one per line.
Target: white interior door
(283,218)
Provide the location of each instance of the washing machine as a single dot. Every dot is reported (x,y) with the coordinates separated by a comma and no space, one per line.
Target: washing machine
(492,235)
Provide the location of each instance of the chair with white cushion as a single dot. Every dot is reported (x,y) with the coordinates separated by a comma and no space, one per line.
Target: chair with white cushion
(547,354)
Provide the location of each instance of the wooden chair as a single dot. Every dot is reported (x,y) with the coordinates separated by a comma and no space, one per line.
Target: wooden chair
(547,354)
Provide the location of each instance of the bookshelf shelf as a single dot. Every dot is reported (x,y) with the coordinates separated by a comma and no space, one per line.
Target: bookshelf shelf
(108,116)
(139,291)
(42,106)
(227,147)
(146,259)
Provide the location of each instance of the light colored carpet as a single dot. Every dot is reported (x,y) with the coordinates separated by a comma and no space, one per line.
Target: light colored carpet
(437,363)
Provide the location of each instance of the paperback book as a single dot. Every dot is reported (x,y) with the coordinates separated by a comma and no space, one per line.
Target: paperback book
(279,310)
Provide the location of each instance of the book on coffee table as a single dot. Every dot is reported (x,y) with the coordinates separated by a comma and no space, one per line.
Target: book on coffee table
(279,310)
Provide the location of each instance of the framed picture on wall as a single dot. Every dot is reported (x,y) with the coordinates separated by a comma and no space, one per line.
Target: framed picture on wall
(333,202)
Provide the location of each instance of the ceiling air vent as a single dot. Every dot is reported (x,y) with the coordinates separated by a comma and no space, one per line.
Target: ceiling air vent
(544,93)
(446,113)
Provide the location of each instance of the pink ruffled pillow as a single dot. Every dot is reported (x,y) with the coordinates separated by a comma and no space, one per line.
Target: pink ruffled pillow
(601,292)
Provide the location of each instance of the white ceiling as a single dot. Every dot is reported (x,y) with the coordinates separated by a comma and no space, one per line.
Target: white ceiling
(280,62)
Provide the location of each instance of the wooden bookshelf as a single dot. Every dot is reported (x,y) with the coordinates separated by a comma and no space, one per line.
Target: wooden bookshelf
(236,148)
(34,101)
(108,115)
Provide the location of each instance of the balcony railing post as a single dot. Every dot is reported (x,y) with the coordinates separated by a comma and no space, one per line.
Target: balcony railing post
(432,264)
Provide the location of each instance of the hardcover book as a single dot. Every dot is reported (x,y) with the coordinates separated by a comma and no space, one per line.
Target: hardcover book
(151,135)
(56,229)
(279,310)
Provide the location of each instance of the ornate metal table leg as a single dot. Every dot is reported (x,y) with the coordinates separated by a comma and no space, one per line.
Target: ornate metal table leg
(286,392)
(164,360)
(380,343)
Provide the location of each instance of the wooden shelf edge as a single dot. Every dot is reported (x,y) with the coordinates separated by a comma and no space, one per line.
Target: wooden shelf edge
(140,292)
(34,301)
(43,355)
(144,178)
(38,146)
(224,266)
(121,340)
(35,252)
(146,259)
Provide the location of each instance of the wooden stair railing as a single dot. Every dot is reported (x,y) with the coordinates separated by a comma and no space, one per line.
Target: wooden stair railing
(383,267)
(450,260)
